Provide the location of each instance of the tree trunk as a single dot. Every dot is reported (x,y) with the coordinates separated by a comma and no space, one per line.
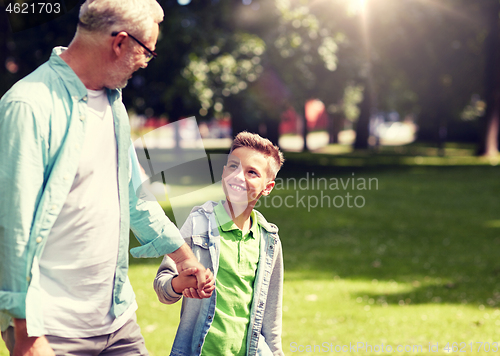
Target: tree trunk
(488,146)
(334,126)
(305,129)
(272,130)
(4,52)
(362,126)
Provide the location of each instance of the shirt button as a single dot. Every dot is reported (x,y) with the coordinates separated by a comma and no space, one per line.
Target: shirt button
(28,278)
(209,317)
(39,239)
(54,207)
(77,146)
(85,98)
(82,118)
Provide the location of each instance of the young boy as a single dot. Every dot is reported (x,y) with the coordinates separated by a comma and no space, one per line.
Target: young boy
(243,314)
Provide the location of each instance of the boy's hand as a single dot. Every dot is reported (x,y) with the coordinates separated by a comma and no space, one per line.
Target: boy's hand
(185,279)
(184,259)
(206,292)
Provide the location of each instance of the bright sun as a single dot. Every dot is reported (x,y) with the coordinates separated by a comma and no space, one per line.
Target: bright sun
(356,6)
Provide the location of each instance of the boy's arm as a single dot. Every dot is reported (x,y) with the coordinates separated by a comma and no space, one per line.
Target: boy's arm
(169,284)
(163,282)
(167,270)
(272,324)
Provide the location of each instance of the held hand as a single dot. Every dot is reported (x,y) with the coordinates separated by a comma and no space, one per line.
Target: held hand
(193,263)
(206,292)
(185,279)
(29,346)
(184,259)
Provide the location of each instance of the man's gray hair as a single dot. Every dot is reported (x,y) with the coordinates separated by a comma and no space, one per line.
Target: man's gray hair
(133,16)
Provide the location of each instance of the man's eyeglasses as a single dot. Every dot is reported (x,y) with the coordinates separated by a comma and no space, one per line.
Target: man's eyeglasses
(149,54)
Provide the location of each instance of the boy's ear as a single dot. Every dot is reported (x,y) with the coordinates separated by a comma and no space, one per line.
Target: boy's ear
(269,187)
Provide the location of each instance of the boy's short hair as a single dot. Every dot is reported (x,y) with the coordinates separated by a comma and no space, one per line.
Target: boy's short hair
(262,145)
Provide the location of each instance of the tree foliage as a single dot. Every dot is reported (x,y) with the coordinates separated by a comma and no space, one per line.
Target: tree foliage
(252,59)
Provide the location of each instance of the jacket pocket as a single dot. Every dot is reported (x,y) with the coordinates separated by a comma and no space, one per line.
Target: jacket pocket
(201,249)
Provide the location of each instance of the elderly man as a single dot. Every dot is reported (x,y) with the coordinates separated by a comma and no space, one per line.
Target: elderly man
(68,200)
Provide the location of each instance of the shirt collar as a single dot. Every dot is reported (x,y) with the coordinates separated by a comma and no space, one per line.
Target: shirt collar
(226,223)
(74,85)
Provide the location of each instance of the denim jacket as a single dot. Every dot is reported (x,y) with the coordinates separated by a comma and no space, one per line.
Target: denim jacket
(264,332)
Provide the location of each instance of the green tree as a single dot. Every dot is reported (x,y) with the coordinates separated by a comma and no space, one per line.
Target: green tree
(427,60)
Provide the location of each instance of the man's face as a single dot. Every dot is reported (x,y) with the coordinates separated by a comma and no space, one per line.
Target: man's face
(246,176)
(132,60)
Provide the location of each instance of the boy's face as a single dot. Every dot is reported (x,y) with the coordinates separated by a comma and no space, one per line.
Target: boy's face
(246,176)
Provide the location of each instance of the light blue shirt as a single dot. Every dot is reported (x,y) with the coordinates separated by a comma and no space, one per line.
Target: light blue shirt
(42,130)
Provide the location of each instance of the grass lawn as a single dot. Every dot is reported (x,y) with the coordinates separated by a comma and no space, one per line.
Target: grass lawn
(416,265)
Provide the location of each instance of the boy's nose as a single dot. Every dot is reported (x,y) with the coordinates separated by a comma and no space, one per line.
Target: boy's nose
(238,174)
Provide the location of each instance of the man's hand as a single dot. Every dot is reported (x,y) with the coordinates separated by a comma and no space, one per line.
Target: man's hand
(184,259)
(206,292)
(29,346)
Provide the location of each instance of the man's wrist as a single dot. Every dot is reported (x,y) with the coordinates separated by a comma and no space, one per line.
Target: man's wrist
(182,254)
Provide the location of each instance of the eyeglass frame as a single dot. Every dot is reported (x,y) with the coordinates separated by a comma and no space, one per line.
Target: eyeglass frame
(149,56)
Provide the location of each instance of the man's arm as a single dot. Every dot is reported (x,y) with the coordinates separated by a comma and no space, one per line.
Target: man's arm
(158,235)
(24,155)
(29,346)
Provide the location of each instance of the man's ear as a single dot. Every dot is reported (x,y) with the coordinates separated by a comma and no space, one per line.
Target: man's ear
(269,187)
(118,43)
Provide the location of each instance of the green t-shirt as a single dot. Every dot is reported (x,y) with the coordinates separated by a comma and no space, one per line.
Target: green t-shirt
(239,256)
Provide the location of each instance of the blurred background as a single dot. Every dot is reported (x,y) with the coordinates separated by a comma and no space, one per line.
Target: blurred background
(404,93)
(362,73)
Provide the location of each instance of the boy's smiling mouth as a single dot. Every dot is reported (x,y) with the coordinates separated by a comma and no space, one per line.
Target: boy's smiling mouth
(238,188)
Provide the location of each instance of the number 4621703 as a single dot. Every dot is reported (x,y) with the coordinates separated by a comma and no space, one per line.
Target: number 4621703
(34,8)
